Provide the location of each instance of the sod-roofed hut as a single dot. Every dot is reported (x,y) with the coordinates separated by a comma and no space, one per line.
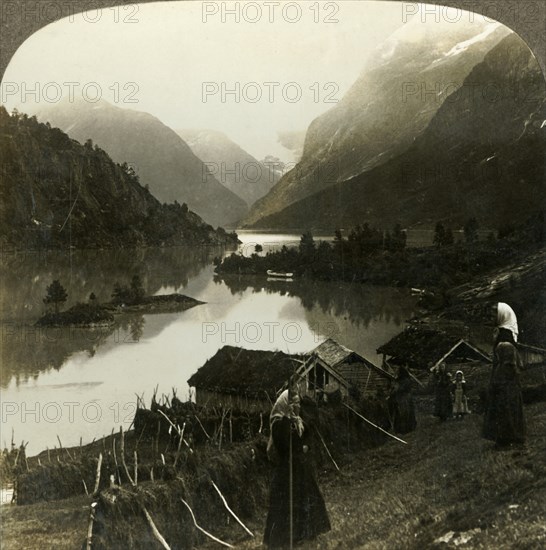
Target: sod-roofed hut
(368,378)
(425,348)
(243,379)
(251,379)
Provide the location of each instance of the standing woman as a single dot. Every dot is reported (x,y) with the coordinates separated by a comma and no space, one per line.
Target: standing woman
(309,516)
(401,405)
(443,407)
(504,422)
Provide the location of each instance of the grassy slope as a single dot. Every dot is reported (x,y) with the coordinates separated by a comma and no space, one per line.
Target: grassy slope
(397,496)
(446,479)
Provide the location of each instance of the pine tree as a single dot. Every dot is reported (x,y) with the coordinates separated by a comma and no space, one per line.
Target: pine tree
(56,294)
(137,290)
(471,230)
(307,245)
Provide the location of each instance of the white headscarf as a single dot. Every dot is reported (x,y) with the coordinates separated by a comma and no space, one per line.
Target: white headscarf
(462,380)
(283,407)
(506,318)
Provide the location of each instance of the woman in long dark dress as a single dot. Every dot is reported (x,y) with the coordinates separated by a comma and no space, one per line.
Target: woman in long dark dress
(443,406)
(401,405)
(504,422)
(309,516)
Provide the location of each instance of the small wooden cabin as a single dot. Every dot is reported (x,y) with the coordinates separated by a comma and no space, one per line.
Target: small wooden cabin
(424,348)
(368,378)
(251,379)
(242,379)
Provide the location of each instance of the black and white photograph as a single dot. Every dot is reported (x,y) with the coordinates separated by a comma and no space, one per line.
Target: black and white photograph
(272,274)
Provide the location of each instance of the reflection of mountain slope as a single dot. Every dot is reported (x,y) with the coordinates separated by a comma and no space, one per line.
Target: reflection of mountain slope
(28,351)
(161,158)
(343,311)
(482,155)
(392,102)
(85,271)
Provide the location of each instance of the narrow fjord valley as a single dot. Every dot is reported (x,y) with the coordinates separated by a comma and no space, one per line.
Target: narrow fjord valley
(163,279)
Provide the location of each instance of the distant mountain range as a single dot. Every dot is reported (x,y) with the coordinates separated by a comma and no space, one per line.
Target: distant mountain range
(231,165)
(57,193)
(161,158)
(408,79)
(481,155)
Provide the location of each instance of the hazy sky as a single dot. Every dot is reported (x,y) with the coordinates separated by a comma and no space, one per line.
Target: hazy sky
(161,56)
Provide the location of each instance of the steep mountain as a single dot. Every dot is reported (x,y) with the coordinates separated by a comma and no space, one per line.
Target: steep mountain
(57,193)
(481,155)
(231,165)
(407,80)
(161,158)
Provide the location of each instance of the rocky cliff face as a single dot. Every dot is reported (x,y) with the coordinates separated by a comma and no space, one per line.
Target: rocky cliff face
(161,158)
(57,193)
(231,165)
(481,155)
(399,92)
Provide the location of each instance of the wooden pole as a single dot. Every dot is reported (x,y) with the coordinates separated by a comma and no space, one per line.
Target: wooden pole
(89,543)
(327,450)
(202,427)
(290,479)
(155,531)
(115,456)
(230,510)
(181,432)
(62,449)
(136,468)
(97,477)
(202,530)
(122,451)
(375,425)
(181,435)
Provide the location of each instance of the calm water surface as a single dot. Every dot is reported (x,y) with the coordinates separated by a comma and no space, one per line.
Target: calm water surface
(82,383)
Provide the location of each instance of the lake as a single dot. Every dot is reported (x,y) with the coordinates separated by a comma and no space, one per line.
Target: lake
(76,383)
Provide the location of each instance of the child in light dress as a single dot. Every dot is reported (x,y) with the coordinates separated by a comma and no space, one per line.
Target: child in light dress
(460,401)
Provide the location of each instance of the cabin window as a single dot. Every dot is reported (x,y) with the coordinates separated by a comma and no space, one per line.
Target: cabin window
(318,378)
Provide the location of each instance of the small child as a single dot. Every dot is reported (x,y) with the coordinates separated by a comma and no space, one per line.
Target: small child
(460,402)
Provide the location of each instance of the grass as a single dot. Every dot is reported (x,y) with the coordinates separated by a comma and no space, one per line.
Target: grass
(447,479)
(446,484)
(45,525)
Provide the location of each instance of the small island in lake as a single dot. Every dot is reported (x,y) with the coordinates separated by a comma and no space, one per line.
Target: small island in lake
(131,299)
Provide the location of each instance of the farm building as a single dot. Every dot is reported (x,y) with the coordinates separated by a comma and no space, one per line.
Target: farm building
(532,355)
(425,348)
(250,379)
(355,369)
